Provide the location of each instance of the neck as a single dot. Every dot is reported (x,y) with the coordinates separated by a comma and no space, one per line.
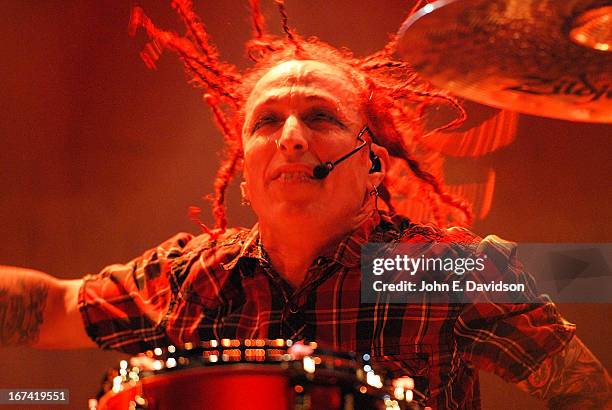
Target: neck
(293,243)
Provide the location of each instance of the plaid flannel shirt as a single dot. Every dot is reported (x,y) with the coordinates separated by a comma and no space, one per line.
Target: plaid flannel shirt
(190,288)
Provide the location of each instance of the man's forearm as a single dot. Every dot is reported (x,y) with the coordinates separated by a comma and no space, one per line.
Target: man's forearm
(23,299)
(571,379)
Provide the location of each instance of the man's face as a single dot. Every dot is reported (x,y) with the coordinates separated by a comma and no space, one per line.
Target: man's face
(300,114)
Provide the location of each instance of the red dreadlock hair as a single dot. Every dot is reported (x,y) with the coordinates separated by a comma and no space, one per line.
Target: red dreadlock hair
(393,97)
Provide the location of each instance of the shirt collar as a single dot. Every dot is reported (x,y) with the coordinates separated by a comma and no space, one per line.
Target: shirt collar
(347,253)
(250,248)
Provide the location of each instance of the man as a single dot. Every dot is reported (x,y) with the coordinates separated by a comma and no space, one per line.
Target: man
(296,273)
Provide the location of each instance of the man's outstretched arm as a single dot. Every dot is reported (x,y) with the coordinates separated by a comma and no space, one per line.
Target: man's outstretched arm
(571,379)
(39,310)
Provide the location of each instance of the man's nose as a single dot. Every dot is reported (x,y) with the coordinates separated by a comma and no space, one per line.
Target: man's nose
(292,139)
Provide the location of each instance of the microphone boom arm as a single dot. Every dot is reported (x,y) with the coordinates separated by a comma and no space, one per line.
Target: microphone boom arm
(322,170)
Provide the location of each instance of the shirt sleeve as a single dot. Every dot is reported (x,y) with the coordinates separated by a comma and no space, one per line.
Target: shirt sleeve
(124,306)
(510,340)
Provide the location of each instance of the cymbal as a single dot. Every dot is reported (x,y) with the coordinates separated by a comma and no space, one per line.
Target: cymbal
(551,58)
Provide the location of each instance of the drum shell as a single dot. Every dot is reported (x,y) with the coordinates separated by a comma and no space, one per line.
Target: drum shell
(238,386)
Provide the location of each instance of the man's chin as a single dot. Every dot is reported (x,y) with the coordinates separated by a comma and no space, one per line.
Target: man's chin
(295,207)
(294,191)
(299,197)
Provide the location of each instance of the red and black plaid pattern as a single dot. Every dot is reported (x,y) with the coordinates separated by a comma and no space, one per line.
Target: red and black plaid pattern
(190,288)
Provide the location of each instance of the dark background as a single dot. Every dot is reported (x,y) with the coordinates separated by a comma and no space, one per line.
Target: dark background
(100,158)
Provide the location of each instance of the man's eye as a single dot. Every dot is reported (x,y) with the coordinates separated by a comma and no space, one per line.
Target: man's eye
(321,116)
(265,120)
(317,117)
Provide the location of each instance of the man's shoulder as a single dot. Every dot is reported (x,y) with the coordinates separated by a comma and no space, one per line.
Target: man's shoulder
(205,256)
(409,231)
(457,239)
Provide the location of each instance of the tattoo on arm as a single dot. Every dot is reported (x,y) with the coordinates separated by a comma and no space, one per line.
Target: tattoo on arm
(573,378)
(22,304)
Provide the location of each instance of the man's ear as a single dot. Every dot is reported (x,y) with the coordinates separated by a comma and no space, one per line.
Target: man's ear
(377,174)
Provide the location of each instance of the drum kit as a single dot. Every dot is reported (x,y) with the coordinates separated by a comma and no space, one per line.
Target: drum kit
(548,58)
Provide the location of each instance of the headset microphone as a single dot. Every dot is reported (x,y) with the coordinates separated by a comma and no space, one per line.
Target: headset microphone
(323,169)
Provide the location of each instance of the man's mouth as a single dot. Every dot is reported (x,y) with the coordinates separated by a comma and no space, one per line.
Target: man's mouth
(294,176)
(296,172)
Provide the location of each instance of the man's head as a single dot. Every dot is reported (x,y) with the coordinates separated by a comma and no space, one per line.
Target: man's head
(294,79)
(299,114)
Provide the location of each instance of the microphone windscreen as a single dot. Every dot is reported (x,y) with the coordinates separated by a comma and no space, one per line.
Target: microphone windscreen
(320,171)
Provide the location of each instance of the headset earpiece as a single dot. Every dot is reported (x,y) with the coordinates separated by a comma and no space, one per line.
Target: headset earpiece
(376,164)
